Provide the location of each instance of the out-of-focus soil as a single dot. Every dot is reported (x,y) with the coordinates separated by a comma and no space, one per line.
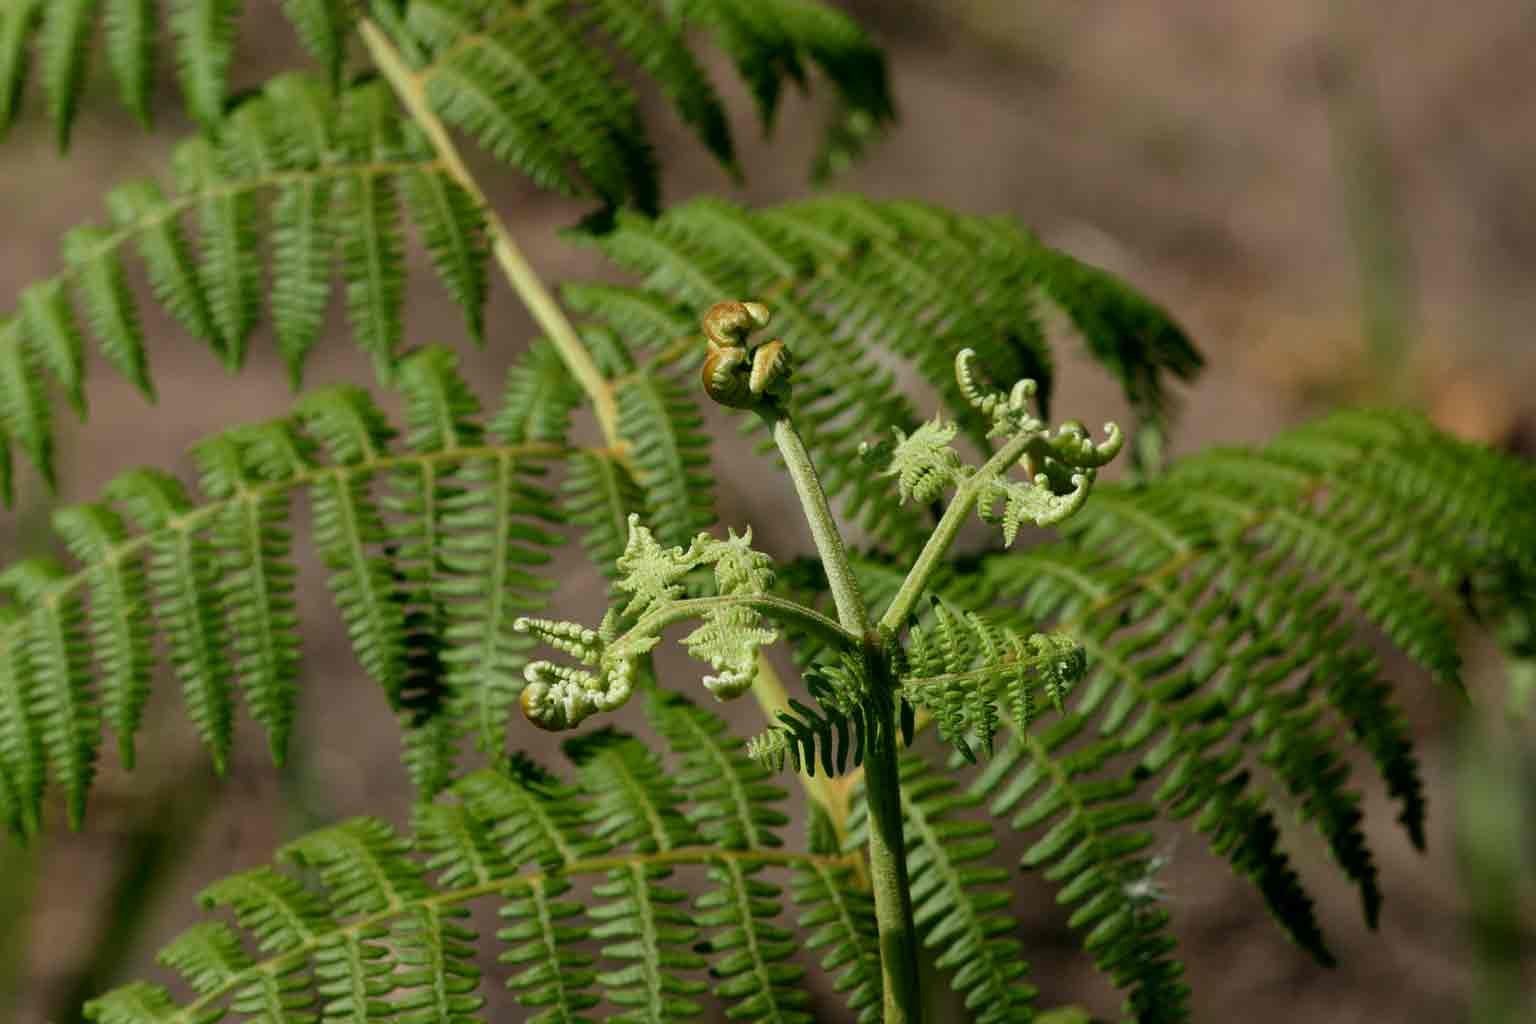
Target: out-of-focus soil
(1233,160)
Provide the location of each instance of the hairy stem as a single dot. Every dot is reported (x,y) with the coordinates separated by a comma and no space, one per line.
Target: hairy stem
(523,278)
(851,611)
(944,534)
(882,782)
(779,608)
(887,851)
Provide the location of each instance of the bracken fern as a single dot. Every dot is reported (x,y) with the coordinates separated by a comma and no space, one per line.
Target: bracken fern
(1202,644)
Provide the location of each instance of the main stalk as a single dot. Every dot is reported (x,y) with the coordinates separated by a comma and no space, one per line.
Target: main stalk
(757,378)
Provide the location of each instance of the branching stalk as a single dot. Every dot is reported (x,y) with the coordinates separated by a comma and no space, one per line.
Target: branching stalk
(756,379)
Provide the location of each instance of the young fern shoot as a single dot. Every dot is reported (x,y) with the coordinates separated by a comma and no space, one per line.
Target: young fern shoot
(956,669)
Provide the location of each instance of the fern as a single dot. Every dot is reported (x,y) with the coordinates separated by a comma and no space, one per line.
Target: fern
(1200,645)
(839,269)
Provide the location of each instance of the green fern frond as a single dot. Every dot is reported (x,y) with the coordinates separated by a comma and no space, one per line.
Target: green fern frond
(600,495)
(329,172)
(433,544)
(538,399)
(1239,561)
(203,32)
(961,668)
(182,575)
(921,281)
(839,918)
(1095,850)
(376,927)
(54,710)
(832,733)
(535,86)
(733,804)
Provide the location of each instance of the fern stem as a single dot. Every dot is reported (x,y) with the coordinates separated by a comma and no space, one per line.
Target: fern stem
(943,538)
(882,781)
(851,611)
(887,851)
(540,303)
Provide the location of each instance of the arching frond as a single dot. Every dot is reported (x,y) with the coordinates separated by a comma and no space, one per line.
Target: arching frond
(329,173)
(1214,608)
(536,86)
(378,925)
(432,544)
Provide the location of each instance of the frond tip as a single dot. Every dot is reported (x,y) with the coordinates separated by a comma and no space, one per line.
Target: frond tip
(1060,465)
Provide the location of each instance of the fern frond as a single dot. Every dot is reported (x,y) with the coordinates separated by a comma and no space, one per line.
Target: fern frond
(377,926)
(600,495)
(1243,563)
(962,667)
(831,734)
(332,170)
(205,34)
(55,697)
(253,545)
(924,282)
(538,399)
(535,87)
(733,804)
(642,923)
(748,950)
(433,543)
(1095,850)
(840,918)
(182,576)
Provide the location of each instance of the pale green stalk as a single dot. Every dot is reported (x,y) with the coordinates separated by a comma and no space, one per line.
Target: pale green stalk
(882,782)
(524,279)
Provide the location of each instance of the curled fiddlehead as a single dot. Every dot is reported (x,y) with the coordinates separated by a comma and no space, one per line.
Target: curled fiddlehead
(736,374)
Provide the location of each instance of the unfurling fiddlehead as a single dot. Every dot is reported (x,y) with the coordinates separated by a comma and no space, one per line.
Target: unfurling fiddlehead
(1060,466)
(733,626)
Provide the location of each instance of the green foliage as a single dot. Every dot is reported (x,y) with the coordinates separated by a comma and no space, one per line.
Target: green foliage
(377,922)
(847,274)
(534,82)
(1207,639)
(728,638)
(431,547)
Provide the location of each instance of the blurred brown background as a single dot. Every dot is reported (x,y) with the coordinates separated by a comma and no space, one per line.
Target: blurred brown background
(1337,199)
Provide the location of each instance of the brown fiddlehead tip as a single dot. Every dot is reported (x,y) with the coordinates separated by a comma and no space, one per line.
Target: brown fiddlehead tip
(735,374)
